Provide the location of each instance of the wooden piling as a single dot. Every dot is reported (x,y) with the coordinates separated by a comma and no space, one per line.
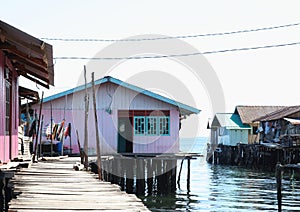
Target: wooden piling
(140,176)
(130,164)
(38,129)
(86,145)
(278,183)
(188,174)
(97,130)
(149,176)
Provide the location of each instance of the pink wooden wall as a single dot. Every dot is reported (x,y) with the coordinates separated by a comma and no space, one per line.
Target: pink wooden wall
(118,98)
(8,150)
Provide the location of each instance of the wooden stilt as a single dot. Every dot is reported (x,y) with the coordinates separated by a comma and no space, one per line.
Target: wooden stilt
(130,164)
(140,176)
(149,176)
(278,183)
(179,174)
(97,130)
(86,100)
(188,174)
(38,129)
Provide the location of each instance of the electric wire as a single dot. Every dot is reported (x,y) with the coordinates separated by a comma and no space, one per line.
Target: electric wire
(170,37)
(177,55)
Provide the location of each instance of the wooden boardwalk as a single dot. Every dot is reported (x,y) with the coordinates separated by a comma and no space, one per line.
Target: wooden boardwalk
(55,186)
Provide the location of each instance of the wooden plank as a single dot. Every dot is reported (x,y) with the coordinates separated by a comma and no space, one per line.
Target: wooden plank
(55,186)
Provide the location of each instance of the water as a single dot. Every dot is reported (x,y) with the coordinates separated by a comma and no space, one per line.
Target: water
(226,188)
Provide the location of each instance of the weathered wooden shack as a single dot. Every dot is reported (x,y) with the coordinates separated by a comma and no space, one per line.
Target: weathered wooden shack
(20,55)
(131,119)
(281,127)
(249,113)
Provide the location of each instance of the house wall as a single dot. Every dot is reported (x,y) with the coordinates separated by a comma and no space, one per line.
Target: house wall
(112,97)
(8,143)
(230,137)
(238,136)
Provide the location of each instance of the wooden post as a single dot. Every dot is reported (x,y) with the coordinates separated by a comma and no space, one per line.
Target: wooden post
(129,165)
(159,175)
(278,182)
(40,149)
(86,100)
(51,129)
(122,169)
(149,176)
(27,119)
(140,176)
(81,153)
(97,130)
(70,136)
(62,142)
(38,128)
(173,175)
(179,174)
(188,174)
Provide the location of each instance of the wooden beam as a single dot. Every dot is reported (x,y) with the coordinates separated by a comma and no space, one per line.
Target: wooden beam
(27,56)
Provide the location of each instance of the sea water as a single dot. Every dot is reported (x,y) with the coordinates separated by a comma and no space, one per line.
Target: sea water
(225,188)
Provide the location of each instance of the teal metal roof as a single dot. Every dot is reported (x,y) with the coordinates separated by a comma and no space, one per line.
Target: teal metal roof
(185,109)
(231,121)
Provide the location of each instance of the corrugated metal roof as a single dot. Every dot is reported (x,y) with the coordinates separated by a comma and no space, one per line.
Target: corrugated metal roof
(229,121)
(279,114)
(250,113)
(31,57)
(184,109)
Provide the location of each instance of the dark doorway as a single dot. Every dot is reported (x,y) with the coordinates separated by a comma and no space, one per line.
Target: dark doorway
(125,135)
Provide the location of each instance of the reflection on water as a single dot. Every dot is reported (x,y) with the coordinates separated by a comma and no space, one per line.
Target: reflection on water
(226,188)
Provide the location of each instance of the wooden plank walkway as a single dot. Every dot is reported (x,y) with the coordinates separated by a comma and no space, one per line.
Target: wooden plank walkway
(55,186)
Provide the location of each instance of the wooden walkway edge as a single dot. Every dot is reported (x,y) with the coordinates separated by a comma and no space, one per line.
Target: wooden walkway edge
(55,186)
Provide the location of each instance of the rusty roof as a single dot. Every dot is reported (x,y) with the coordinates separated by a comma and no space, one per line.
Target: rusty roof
(31,57)
(285,112)
(249,113)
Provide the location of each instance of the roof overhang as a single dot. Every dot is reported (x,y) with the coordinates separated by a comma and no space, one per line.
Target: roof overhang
(31,57)
(29,94)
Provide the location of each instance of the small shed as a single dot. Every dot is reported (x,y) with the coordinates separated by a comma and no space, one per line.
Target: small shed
(130,119)
(228,129)
(20,55)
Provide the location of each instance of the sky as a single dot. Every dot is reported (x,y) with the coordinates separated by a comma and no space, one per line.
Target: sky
(255,77)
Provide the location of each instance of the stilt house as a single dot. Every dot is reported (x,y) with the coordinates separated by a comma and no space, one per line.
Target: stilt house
(20,55)
(228,129)
(131,119)
(281,126)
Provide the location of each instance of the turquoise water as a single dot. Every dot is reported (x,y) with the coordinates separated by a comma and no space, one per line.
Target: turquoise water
(225,188)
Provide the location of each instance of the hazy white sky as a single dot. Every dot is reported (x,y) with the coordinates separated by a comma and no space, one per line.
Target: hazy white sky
(256,77)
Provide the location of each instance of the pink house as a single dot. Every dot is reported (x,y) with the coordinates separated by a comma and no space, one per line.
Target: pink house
(20,54)
(130,119)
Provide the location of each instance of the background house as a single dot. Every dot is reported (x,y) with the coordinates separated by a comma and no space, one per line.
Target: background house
(228,129)
(131,119)
(20,55)
(249,113)
(281,126)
